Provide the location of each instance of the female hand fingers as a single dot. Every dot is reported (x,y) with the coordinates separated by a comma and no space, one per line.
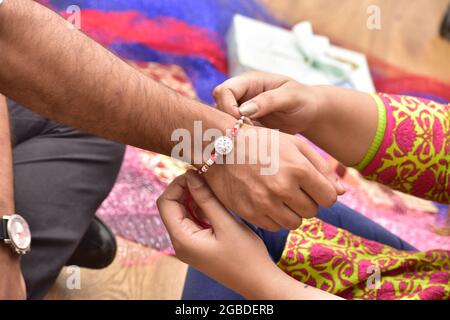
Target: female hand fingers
(173,213)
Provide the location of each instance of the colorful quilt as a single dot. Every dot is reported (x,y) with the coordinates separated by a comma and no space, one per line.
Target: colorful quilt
(181,43)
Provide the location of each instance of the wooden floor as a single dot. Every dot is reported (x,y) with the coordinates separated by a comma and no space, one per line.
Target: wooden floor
(136,273)
(408,38)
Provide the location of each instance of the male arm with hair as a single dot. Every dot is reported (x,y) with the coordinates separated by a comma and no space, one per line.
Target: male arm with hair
(60,73)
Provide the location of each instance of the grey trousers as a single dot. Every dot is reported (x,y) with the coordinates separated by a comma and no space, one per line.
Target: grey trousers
(62,176)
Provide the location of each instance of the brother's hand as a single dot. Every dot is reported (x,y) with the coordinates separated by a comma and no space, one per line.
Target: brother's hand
(300,182)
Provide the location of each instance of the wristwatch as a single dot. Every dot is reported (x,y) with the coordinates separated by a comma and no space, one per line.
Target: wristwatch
(14,231)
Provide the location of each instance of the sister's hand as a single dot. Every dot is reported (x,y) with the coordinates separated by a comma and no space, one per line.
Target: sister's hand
(275,101)
(229,251)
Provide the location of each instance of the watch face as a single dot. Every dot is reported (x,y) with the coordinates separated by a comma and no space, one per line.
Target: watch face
(223,145)
(19,232)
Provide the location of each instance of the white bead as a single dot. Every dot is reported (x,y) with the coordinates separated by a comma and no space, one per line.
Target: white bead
(210,162)
(223,145)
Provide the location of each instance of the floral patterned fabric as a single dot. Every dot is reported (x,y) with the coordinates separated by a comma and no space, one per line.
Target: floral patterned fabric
(414,156)
(352,267)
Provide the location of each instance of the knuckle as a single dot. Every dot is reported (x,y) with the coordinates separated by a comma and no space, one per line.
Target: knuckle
(217,91)
(325,168)
(204,196)
(310,212)
(330,199)
(301,172)
(290,83)
(272,228)
(263,194)
(268,99)
(279,191)
(301,208)
(291,95)
(262,202)
(278,188)
(159,201)
(251,217)
(294,224)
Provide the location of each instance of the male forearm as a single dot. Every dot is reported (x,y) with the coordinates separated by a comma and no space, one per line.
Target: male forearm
(346,123)
(59,72)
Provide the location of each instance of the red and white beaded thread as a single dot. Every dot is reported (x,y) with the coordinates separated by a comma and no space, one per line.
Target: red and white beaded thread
(213,158)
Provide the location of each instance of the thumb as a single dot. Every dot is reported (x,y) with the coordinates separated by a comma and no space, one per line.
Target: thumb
(205,200)
(278,99)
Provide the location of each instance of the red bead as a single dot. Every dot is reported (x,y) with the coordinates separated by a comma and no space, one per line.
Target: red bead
(214,156)
(234,131)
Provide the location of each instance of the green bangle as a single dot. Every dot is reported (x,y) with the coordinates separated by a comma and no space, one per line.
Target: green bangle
(379,134)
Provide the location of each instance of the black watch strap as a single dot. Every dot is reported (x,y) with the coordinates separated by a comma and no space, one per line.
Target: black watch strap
(3,231)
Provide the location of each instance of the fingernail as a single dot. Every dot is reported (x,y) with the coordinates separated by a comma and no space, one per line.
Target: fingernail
(194,180)
(340,186)
(248,109)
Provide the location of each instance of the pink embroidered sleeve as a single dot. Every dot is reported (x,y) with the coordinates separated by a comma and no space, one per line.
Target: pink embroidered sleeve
(414,154)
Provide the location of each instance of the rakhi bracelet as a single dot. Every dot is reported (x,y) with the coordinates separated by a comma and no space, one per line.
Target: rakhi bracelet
(222,146)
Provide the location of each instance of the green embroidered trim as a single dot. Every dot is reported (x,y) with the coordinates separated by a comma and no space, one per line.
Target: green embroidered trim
(379,135)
